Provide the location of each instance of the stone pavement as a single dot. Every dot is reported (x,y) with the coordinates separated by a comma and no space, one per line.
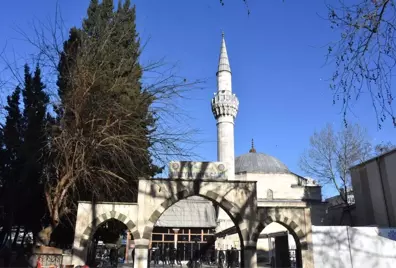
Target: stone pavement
(121,265)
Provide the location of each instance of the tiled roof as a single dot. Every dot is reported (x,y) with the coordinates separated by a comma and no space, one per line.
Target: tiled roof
(192,212)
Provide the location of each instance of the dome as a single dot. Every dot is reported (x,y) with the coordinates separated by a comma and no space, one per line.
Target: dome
(254,162)
(259,163)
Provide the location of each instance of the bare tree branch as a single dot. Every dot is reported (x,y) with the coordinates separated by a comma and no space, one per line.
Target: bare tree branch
(365,55)
(331,154)
(100,139)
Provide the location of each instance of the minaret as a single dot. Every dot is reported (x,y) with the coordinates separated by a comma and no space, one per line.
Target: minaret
(225,108)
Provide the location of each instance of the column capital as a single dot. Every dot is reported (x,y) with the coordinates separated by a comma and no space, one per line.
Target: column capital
(142,243)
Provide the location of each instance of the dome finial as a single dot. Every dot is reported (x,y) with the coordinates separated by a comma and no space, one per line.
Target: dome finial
(252,150)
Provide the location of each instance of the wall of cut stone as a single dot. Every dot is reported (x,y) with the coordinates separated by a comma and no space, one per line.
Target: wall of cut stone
(89,217)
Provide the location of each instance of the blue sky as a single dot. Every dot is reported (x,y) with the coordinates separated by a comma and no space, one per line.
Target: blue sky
(276,55)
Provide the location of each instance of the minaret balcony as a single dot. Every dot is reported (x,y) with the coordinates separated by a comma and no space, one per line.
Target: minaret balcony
(225,103)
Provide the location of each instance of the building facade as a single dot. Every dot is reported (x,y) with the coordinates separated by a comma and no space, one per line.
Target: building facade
(276,184)
(374,188)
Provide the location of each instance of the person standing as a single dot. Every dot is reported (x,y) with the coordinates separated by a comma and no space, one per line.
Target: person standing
(157,255)
(221,259)
(179,255)
(233,257)
(172,256)
(113,257)
(228,258)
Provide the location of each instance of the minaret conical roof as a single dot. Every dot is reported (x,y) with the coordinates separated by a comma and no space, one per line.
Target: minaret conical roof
(224,63)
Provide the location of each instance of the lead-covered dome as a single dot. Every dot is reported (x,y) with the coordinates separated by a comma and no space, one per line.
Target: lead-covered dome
(254,162)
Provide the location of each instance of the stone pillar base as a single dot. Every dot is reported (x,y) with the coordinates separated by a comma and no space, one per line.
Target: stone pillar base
(141,257)
(249,257)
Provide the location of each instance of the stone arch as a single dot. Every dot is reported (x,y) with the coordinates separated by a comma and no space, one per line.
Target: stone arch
(94,225)
(294,229)
(233,211)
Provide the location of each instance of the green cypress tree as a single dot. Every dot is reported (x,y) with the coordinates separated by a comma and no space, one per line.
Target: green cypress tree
(35,137)
(100,144)
(12,139)
(12,134)
(114,48)
(35,101)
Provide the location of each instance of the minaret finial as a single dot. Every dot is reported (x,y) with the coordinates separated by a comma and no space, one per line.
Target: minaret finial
(224,63)
(252,150)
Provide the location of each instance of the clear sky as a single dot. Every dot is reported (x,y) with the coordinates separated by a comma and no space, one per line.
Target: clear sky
(277,57)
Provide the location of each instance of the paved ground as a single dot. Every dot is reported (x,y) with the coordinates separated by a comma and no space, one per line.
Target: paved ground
(178,266)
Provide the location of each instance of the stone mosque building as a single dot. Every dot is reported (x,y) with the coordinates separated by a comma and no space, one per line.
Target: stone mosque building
(197,220)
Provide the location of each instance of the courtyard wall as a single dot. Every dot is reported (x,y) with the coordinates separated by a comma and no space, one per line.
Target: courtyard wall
(351,247)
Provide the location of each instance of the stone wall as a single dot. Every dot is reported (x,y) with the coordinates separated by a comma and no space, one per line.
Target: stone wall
(297,220)
(374,190)
(283,186)
(351,247)
(90,217)
(236,198)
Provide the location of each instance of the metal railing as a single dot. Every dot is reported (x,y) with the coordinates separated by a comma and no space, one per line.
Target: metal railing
(293,258)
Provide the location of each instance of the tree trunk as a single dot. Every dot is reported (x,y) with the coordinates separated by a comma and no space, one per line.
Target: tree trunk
(44,236)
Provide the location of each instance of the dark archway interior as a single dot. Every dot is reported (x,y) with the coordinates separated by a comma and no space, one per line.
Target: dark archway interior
(201,247)
(109,236)
(109,231)
(298,256)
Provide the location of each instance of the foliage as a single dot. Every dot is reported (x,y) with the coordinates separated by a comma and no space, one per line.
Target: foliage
(365,55)
(112,122)
(34,148)
(109,126)
(11,134)
(23,138)
(332,153)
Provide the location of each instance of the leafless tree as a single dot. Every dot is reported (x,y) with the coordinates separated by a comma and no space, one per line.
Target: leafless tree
(384,148)
(332,153)
(98,140)
(365,54)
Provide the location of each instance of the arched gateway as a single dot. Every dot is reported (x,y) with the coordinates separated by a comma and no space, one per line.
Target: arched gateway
(284,197)
(237,198)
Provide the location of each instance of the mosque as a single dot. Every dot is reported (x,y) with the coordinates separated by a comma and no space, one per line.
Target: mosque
(197,220)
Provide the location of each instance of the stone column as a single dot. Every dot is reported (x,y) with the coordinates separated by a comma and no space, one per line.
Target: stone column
(306,242)
(249,257)
(127,250)
(176,230)
(141,253)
